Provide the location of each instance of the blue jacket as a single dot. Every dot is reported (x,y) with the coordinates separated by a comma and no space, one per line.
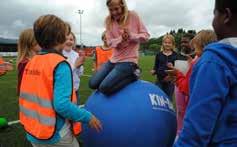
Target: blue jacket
(62,104)
(211,117)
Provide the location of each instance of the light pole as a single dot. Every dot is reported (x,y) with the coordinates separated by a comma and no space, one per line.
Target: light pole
(80,12)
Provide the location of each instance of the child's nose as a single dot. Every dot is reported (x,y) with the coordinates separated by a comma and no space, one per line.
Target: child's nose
(114,13)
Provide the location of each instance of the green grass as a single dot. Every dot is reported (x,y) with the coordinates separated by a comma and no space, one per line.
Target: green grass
(14,136)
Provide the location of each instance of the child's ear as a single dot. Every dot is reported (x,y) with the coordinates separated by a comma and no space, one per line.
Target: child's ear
(227,16)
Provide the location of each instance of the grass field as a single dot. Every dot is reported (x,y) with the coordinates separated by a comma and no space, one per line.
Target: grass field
(14,136)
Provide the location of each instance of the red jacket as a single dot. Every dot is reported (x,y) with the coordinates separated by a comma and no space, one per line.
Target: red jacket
(182,81)
(20,68)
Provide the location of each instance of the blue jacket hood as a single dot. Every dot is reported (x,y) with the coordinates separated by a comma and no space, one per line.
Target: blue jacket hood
(226,52)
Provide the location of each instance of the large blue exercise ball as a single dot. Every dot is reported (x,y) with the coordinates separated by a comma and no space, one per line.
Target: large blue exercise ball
(139,115)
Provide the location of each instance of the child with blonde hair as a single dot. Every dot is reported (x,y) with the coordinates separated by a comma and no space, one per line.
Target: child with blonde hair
(167,55)
(124,33)
(102,53)
(27,48)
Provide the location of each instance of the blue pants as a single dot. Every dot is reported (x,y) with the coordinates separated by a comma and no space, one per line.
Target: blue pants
(113,77)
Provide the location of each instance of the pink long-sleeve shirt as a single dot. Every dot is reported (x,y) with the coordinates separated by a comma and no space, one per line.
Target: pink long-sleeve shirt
(126,51)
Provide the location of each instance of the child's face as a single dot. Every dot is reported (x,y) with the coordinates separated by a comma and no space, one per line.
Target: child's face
(36,48)
(116,10)
(69,42)
(218,24)
(198,50)
(167,44)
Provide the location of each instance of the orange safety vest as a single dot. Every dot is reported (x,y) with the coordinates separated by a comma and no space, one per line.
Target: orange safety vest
(2,72)
(37,114)
(102,56)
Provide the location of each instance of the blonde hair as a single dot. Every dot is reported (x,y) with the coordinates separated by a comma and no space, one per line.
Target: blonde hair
(203,38)
(123,20)
(170,37)
(25,43)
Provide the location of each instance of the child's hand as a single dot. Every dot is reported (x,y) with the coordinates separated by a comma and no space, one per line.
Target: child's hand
(153,72)
(172,69)
(171,77)
(126,35)
(170,65)
(171,72)
(10,61)
(95,123)
(189,59)
(79,61)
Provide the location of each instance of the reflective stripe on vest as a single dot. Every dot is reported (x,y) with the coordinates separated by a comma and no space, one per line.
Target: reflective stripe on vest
(38,103)
(102,56)
(42,119)
(41,101)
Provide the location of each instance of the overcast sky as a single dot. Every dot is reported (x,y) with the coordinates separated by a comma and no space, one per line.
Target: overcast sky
(159,16)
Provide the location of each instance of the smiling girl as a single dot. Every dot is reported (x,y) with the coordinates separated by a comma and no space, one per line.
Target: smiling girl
(124,33)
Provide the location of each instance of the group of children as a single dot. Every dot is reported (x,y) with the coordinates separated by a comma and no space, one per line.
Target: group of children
(44,74)
(49,73)
(170,76)
(205,92)
(210,116)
